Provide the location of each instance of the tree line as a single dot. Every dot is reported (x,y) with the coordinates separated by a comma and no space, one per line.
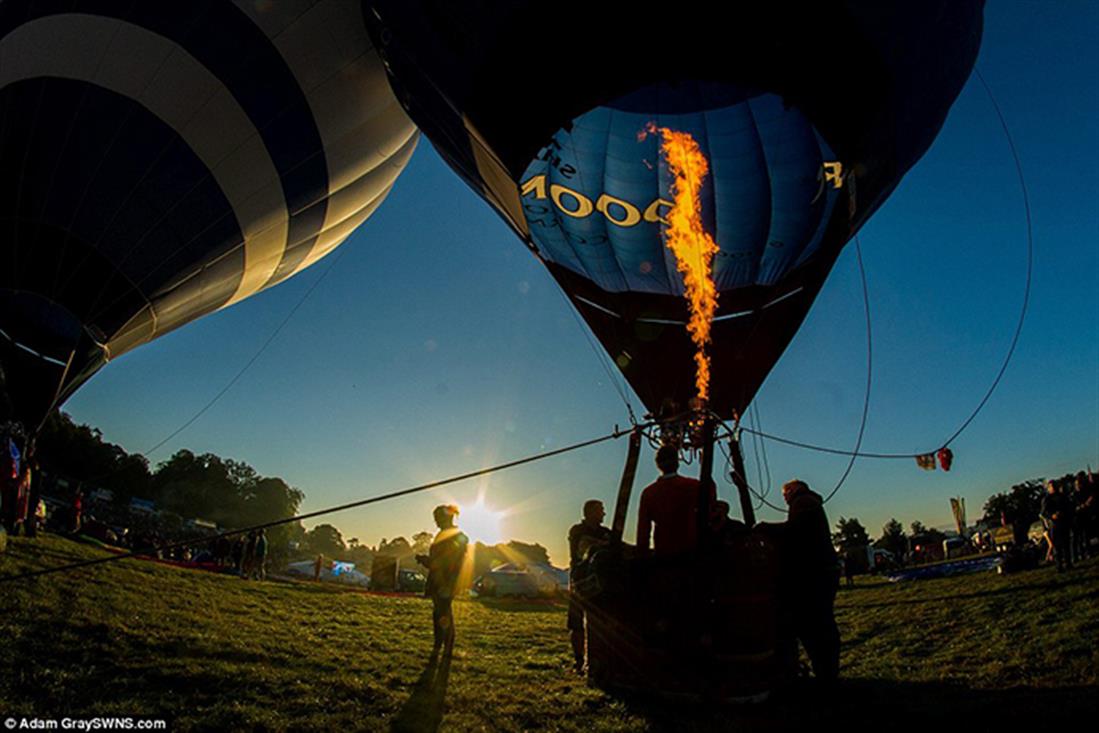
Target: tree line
(325,539)
(1016,507)
(229,493)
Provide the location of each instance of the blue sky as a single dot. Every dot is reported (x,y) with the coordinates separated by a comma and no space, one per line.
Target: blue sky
(437,344)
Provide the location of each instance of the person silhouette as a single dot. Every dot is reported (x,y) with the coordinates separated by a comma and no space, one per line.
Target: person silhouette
(811,578)
(444,562)
(669,507)
(584,536)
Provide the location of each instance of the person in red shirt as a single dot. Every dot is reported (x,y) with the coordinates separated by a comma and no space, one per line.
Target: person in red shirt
(671,504)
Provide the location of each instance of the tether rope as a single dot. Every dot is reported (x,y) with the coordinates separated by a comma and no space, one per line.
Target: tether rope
(1011,349)
(321,512)
(869,374)
(248,365)
(761,495)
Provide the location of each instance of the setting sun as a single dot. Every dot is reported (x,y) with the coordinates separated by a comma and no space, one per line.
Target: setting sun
(480,523)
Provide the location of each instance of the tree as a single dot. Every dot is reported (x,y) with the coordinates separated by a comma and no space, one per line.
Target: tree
(486,557)
(362,556)
(397,547)
(926,543)
(267,500)
(893,539)
(78,452)
(1017,508)
(421,543)
(526,553)
(198,487)
(326,540)
(850,534)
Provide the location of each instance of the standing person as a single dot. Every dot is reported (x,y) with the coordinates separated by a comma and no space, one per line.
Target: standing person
(318,566)
(78,510)
(34,494)
(10,474)
(444,566)
(40,516)
(811,578)
(847,567)
(23,493)
(248,557)
(236,553)
(1087,512)
(259,570)
(671,504)
(723,528)
(584,536)
(1056,520)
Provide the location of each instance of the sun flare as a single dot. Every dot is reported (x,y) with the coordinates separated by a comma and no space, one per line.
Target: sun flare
(480,523)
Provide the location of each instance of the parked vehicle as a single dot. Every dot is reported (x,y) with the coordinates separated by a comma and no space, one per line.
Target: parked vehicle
(526,581)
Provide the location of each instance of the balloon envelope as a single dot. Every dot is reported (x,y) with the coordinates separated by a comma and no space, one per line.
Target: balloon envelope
(162,160)
(809,114)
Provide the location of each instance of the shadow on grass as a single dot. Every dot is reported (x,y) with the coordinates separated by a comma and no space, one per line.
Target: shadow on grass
(423,711)
(904,705)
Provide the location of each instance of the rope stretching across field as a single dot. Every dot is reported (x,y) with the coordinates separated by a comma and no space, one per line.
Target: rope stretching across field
(309,515)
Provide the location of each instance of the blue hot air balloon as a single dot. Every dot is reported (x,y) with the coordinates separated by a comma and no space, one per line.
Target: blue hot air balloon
(809,113)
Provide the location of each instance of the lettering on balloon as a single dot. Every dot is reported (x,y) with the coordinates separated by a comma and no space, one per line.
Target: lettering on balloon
(575,204)
(549,155)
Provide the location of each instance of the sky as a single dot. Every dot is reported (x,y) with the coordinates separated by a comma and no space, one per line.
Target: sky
(432,343)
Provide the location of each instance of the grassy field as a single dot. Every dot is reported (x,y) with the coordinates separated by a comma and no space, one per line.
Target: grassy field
(212,652)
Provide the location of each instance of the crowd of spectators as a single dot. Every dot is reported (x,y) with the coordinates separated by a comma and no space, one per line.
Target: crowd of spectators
(33,500)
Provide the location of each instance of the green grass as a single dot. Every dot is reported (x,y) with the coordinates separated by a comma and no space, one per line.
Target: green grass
(213,652)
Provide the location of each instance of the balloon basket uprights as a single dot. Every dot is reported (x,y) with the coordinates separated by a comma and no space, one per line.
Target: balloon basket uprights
(693,433)
(705,626)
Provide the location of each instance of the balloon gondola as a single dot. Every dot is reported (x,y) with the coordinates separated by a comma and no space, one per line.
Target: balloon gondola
(160,161)
(809,114)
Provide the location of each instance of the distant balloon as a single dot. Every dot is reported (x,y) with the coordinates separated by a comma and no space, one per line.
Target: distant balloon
(162,160)
(809,113)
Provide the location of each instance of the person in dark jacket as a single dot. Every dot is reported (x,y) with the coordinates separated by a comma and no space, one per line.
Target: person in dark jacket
(812,578)
(444,563)
(1057,518)
(259,557)
(248,556)
(584,536)
(1087,513)
(724,530)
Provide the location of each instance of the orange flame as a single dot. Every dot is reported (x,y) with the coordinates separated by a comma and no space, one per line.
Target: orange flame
(693,248)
